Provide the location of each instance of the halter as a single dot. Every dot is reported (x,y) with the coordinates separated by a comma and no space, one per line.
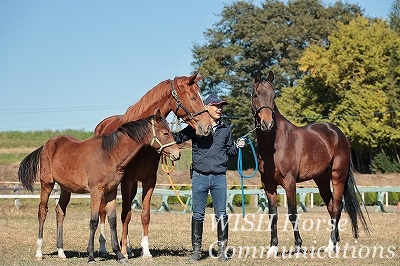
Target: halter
(256,111)
(189,115)
(155,139)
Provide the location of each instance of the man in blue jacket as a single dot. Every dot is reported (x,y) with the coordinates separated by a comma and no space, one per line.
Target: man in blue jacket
(208,173)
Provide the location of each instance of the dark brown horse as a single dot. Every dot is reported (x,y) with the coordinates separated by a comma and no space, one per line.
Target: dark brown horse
(94,166)
(289,154)
(181,96)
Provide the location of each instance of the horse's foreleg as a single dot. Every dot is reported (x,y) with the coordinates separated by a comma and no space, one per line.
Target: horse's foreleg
(95,198)
(128,194)
(293,215)
(61,210)
(112,220)
(102,236)
(42,213)
(145,217)
(273,219)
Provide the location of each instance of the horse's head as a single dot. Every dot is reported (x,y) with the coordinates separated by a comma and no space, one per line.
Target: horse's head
(163,141)
(189,105)
(262,102)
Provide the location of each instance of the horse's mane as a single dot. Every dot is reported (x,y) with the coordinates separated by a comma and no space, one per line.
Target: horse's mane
(152,96)
(136,130)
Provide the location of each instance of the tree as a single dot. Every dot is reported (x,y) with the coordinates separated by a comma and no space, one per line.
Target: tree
(394,16)
(249,39)
(354,83)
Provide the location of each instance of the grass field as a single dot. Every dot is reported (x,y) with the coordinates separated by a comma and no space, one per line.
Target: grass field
(170,238)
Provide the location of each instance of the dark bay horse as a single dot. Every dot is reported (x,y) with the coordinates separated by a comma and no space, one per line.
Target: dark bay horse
(289,154)
(181,96)
(94,166)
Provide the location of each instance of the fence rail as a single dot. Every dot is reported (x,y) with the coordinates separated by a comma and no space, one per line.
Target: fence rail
(259,196)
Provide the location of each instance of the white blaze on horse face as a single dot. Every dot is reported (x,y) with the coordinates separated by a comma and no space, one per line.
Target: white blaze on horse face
(200,97)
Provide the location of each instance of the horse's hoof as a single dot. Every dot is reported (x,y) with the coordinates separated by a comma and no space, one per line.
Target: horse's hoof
(39,258)
(272,252)
(147,257)
(91,261)
(123,261)
(332,248)
(299,251)
(103,254)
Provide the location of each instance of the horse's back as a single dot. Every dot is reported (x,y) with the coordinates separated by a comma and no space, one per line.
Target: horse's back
(326,133)
(68,161)
(108,125)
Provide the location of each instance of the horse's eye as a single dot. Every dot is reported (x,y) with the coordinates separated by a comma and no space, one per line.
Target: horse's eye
(254,96)
(166,133)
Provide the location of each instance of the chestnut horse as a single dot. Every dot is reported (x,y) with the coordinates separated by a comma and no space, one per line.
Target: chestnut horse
(94,166)
(182,96)
(289,154)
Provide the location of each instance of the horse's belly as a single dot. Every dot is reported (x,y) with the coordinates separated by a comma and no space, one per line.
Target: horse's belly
(310,173)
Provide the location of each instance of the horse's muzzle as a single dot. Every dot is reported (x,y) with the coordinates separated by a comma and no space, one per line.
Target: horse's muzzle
(265,126)
(174,157)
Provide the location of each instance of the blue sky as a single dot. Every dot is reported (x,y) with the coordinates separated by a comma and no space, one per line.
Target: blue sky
(70,64)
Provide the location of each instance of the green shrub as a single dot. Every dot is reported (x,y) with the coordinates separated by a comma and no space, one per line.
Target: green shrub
(318,201)
(370,198)
(279,200)
(209,202)
(237,199)
(382,163)
(393,198)
(174,199)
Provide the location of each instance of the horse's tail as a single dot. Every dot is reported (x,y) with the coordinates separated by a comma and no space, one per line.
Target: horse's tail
(352,205)
(28,169)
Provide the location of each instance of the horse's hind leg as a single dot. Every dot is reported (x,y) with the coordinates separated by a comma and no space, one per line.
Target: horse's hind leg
(129,190)
(102,236)
(42,213)
(61,210)
(333,204)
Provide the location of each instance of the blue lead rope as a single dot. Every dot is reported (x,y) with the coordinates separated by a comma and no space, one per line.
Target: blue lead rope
(240,168)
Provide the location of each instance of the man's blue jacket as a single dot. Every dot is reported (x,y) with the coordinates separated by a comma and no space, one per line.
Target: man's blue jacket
(210,153)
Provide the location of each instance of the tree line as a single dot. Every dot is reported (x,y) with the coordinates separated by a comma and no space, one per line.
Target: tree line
(331,63)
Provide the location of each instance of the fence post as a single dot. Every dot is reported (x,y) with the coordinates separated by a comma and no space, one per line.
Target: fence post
(17,203)
(312,199)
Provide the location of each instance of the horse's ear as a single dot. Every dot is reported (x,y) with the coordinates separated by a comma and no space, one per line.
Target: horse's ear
(270,77)
(158,115)
(194,79)
(257,77)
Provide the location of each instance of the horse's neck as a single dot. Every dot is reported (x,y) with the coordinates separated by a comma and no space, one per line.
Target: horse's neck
(282,127)
(283,124)
(125,150)
(156,98)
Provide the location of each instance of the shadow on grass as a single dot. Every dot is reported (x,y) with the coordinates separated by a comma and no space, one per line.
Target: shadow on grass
(136,253)
(77,254)
(172,252)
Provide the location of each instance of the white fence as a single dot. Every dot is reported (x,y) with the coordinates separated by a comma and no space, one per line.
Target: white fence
(14,190)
